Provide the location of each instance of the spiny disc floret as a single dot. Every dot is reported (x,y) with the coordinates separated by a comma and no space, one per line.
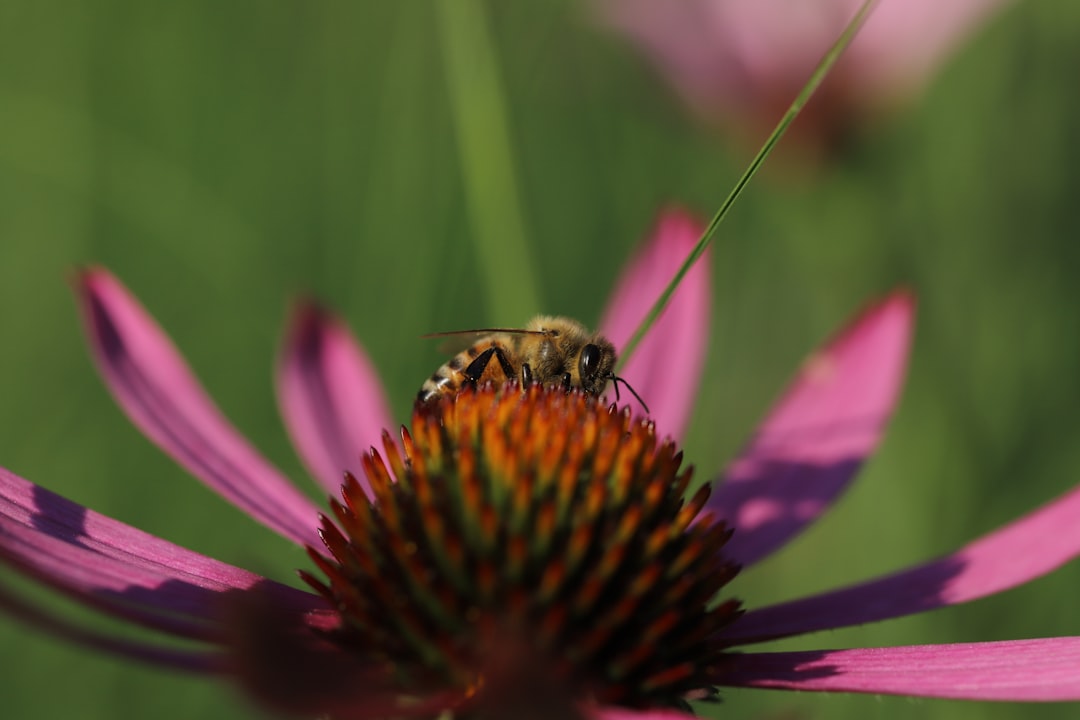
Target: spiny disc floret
(537,528)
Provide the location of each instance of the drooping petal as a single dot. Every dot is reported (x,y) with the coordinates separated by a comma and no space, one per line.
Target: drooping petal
(280,663)
(195,661)
(330,395)
(814,440)
(615,713)
(160,394)
(665,370)
(120,570)
(1043,670)
(1012,555)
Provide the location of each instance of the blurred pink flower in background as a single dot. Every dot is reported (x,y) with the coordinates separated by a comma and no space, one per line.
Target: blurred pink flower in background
(742,62)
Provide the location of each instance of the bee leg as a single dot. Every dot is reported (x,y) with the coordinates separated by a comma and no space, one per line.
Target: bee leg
(526,376)
(476,368)
(566,382)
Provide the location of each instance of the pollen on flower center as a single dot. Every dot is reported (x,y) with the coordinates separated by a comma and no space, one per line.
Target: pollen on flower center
(529,530)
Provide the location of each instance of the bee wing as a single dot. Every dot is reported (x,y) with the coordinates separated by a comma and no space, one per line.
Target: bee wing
(459,340)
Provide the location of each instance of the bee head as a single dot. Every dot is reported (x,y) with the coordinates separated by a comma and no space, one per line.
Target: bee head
(596,363)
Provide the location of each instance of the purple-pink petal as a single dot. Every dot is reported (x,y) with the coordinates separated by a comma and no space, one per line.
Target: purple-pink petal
(1043,670)
(144,653)
(160,394)
(616,713)
(118,569)
(330,395)
(814,440)
(273,654)
(1015,554)
(665,370)
(751,56)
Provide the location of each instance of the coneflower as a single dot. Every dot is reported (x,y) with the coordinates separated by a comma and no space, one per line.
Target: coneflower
(515,554)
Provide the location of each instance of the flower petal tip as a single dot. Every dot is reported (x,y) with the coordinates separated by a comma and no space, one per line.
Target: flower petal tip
(829,421)
(329,392)
(87,279)
(77,273)
(901,299)
(666,367)
(884,328)
(677,226)
(306,319)
(155,387)
(897,306)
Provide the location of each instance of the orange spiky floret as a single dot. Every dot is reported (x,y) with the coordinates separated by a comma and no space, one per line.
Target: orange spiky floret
(537,520)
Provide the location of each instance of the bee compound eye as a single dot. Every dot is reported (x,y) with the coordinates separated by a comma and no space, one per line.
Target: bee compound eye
(590,360)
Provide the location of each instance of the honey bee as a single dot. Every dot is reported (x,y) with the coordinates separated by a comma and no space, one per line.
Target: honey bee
(548,350)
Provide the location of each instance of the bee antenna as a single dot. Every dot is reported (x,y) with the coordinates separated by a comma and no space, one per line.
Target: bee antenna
(615,380)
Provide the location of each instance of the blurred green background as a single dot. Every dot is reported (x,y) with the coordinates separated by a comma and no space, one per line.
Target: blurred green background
(222,157)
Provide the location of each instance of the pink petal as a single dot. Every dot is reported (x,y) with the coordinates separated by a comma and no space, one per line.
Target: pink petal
(730,57)
(118,569)
(666,368)
(275,657)
(1012,555)
(141,652)
(814,440)
(614,713)
(904,43)
(161,396)
(1044,670)
(330,395)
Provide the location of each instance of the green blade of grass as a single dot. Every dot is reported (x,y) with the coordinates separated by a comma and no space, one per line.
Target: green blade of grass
(816,78)
(485,151)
